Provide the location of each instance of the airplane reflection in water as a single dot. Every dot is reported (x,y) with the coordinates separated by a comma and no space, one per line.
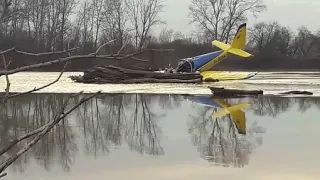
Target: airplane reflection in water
(237,115)
(221,135)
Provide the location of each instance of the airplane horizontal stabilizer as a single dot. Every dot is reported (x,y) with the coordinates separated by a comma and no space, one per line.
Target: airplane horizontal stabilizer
(240,52)
(230,49)
(221,45)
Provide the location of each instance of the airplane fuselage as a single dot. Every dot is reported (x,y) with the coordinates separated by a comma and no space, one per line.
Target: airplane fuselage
(205,61)
(220,55)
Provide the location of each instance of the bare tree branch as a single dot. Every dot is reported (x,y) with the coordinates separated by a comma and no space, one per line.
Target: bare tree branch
(46,53)
(71,58)
(5,67)
(36,89)
(25,136)
(60,116)
(103,46)
(3,175)
(37,54)
(8,50)
(144,15)
(219,18)
(121,48)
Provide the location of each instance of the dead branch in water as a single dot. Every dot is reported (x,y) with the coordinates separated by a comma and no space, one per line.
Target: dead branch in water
(42,131)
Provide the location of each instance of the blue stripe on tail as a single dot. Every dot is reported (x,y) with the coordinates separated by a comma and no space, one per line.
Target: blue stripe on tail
(201,60)
(207,101)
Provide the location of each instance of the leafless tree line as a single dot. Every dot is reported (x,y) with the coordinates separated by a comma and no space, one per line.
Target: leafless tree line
(56,25)
(53,25)
(281,41)
(219,19)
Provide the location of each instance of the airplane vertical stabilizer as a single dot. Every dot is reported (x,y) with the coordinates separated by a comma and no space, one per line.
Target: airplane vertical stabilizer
(237,44)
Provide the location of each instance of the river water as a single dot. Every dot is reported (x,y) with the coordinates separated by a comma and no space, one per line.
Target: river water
(269,82)
(169,136)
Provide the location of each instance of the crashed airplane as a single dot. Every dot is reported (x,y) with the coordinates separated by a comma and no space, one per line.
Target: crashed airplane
(203,63)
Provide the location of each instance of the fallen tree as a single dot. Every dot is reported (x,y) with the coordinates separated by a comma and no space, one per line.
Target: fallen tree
(113,74)
(116,56)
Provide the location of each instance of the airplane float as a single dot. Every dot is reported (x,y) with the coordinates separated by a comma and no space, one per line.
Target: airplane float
(204,62)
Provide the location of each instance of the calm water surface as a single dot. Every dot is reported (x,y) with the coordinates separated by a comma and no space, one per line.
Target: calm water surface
(269,82)
(137,136)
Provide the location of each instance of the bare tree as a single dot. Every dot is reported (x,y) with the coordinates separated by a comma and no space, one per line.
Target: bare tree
(144,15)
(219,18)
(4,9)
(271,38)
(166,35)
(305,42)
(115,22)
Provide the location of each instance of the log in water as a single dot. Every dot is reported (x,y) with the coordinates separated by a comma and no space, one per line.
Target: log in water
(116,75)
(233,92)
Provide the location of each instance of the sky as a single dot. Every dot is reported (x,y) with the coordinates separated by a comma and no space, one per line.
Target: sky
(290,13)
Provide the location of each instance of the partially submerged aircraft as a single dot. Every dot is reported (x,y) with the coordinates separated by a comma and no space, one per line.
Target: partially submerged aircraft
(224,108)
(203,63)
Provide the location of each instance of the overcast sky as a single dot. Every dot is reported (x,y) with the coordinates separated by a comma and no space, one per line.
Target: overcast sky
(291,13)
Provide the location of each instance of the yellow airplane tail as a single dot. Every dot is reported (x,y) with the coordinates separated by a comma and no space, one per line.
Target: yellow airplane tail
(237,44)
(238,116)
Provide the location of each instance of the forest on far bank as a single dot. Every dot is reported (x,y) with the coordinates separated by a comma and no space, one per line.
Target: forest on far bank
(39,26)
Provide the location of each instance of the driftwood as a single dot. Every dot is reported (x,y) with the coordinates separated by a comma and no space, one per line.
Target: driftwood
(233,92)
(211,80)
(297,92)
(113,74)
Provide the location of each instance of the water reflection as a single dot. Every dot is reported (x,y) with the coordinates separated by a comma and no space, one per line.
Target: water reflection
(27,113)
(105,122)
(221,139)
(109,122)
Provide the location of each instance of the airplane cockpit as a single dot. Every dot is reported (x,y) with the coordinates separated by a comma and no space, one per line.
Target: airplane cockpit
(186,65)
